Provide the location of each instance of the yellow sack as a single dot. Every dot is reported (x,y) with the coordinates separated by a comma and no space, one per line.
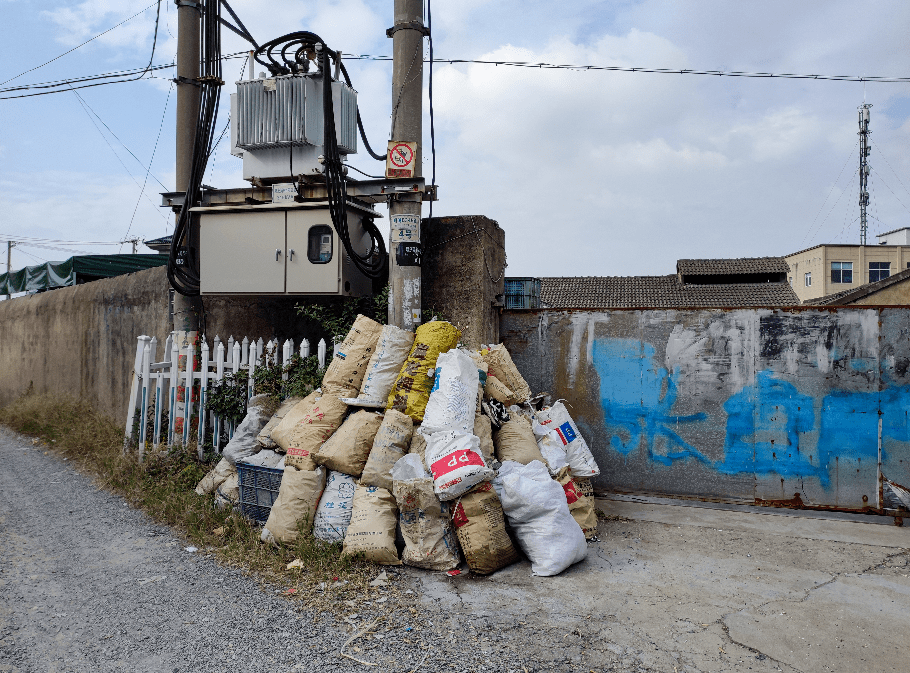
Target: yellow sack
(412,387)
(347,369)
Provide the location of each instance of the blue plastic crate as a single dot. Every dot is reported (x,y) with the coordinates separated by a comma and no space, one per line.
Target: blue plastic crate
(258,489)
(522,293)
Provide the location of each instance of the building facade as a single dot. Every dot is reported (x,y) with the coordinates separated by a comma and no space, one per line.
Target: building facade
(833,268)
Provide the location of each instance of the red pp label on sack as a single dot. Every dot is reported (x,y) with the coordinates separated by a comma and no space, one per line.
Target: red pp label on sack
(455,460)
(571,492)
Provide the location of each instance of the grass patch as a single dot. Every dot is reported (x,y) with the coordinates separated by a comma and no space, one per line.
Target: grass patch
(163,487)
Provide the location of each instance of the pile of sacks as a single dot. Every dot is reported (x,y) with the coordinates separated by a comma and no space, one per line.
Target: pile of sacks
(410,433)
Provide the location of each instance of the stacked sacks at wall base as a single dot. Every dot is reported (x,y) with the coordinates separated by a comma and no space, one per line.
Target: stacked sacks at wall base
(454,462)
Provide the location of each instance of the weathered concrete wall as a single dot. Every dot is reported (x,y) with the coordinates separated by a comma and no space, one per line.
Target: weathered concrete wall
(463,272)
(802,405)
(82,340)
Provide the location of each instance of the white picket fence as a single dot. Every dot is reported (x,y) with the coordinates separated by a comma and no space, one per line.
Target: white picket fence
(155,384)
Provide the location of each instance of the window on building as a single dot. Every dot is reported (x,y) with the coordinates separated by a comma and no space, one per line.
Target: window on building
(841,272)
(879,271)
(808,280)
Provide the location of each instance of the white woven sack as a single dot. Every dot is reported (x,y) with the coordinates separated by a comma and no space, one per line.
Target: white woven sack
(333,513)
(454,459)
(453,399)
(551,448)
(383,367)
(535,506)
(563,431)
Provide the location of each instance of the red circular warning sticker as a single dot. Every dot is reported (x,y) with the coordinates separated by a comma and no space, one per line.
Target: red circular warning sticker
(401,155)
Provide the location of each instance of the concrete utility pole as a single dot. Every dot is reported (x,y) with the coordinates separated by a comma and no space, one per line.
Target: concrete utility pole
(186,318)
(864,169)
(407,126)
(9,263)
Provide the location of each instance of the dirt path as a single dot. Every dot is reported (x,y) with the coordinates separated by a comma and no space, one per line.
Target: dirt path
(89,584)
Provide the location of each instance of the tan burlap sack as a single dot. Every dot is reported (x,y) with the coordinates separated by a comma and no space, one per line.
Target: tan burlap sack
(264,438)
(498,390)
(281,430)
(418,443)
(347,450)
(483,428)
(372,528)
(391,443)
(345,373)
(580,498)
(515,441)
(481,529)
(425,525)
(502,367)
(316,426)
(297,499)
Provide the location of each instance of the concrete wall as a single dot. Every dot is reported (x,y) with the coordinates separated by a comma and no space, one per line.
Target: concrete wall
(893,295)
(463,272)
(787,405)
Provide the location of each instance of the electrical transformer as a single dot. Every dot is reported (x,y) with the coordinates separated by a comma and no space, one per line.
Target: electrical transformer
(289,245)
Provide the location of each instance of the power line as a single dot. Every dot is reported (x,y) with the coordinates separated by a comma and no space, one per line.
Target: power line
(809,232)
(664,71)
(31,239)
(158,2)
(891,190)
(891,167)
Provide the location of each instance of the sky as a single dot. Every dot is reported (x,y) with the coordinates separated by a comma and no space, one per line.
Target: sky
(589,173)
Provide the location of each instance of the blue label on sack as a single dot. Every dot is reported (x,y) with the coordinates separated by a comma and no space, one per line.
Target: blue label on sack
(566,432)
(435,382)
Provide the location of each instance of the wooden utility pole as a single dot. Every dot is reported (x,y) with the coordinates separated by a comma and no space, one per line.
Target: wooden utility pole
(189,15)
(407,126)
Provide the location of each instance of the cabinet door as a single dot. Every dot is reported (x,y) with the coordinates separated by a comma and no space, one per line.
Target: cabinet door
(239,252)
(314,253)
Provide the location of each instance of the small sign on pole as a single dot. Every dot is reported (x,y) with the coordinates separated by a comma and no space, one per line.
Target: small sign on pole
(400,159)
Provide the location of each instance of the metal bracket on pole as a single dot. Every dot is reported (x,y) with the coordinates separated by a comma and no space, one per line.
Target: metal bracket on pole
(185,80)
(189,3)
(408,25)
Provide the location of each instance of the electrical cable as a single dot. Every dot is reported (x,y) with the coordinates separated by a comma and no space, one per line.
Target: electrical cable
(158,2)
(889,189)
(809,231)
(306,46)
(183,262)
(432,119)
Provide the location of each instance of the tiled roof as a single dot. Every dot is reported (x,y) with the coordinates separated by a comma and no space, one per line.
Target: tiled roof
(658,292)
(742,265)
(845,297)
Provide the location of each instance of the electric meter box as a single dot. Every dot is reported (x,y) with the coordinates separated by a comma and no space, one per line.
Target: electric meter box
(284,250)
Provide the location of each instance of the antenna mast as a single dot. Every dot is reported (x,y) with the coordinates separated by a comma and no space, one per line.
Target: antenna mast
(864,169)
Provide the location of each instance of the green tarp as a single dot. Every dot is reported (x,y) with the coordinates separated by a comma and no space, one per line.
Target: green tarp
(75,270)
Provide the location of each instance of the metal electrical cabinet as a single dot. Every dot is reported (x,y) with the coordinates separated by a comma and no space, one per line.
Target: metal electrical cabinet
(287,250)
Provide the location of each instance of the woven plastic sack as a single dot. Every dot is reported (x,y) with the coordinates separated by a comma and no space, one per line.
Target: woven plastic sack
(227,494)
(483,429)
(580,498)
(333,513)
(345,373)
(502,367)
(455,461)
(418,442)
(535,506)
(259,410)
(391,443)
(347,450)
(264,438)
(296,502)
(453,399)
(551,448)
(481,529)
(426,524)
(412,386)
(316,426)
(515,441)
(216,477)
(578,454)
(497,390)
(281,431)
(372,529)
(482,368)
(391,351)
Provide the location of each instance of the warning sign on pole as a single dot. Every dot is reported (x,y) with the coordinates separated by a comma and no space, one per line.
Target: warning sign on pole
(400,159)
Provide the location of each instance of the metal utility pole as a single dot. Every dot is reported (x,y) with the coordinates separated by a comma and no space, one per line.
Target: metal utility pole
(864,169)
(407,126)
(189,14)
(9,263)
